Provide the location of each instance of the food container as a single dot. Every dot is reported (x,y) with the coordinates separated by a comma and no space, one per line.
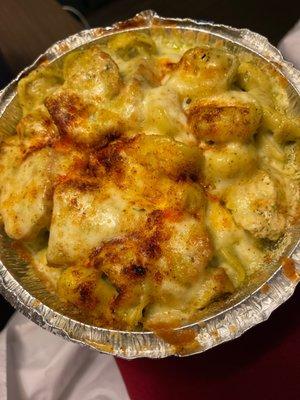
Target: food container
(223,321)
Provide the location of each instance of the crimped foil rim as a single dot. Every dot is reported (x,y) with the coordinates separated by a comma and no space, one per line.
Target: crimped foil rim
(221,327)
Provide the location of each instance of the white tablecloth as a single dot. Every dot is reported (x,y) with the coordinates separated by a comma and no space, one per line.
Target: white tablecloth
(290,45)
(37,365)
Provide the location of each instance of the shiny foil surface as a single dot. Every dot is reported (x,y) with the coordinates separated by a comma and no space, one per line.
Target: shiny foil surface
(222,321)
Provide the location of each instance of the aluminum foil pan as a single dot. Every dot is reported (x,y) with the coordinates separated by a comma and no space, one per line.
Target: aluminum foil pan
(222,322)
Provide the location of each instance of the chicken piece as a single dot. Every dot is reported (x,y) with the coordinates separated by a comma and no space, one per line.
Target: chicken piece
(82,122)
(37,85)
(202,72)
(26,198)
(232,116)
(257,205)
(93,74)
(84,217)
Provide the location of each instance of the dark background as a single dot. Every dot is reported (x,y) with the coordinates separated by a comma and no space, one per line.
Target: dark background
(28,27)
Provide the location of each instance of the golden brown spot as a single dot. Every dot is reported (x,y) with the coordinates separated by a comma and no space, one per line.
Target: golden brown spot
(289,270)
(183,340)
(65,109)
(157,277)
(64,144)
(85,290)
(151,247)
(21,250)
(173,215)
(215,334)
(110,158)
(265,288)
(135,271)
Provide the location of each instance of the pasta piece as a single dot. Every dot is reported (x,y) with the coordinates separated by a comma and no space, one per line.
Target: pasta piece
(128,106)
(229,161)
(214,284)
(269,90)
(84,288)
(232,266)
(92,73)
(182,162)
(288,129)
(232,116)
(131,44)
(202,72)
(250,254)
(222,227)
(163,114)
(236,252)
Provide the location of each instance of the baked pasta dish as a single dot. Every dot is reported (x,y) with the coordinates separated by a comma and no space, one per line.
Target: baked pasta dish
(149,177)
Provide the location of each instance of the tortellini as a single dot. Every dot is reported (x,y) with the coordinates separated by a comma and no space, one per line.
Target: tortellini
(130,45)
(92,73)
(269,89)
(202,71)
(232,116)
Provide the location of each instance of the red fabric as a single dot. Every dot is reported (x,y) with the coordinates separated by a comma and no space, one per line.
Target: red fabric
(264,364)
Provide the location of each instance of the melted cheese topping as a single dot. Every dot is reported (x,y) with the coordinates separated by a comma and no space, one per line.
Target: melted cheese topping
(164,174)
